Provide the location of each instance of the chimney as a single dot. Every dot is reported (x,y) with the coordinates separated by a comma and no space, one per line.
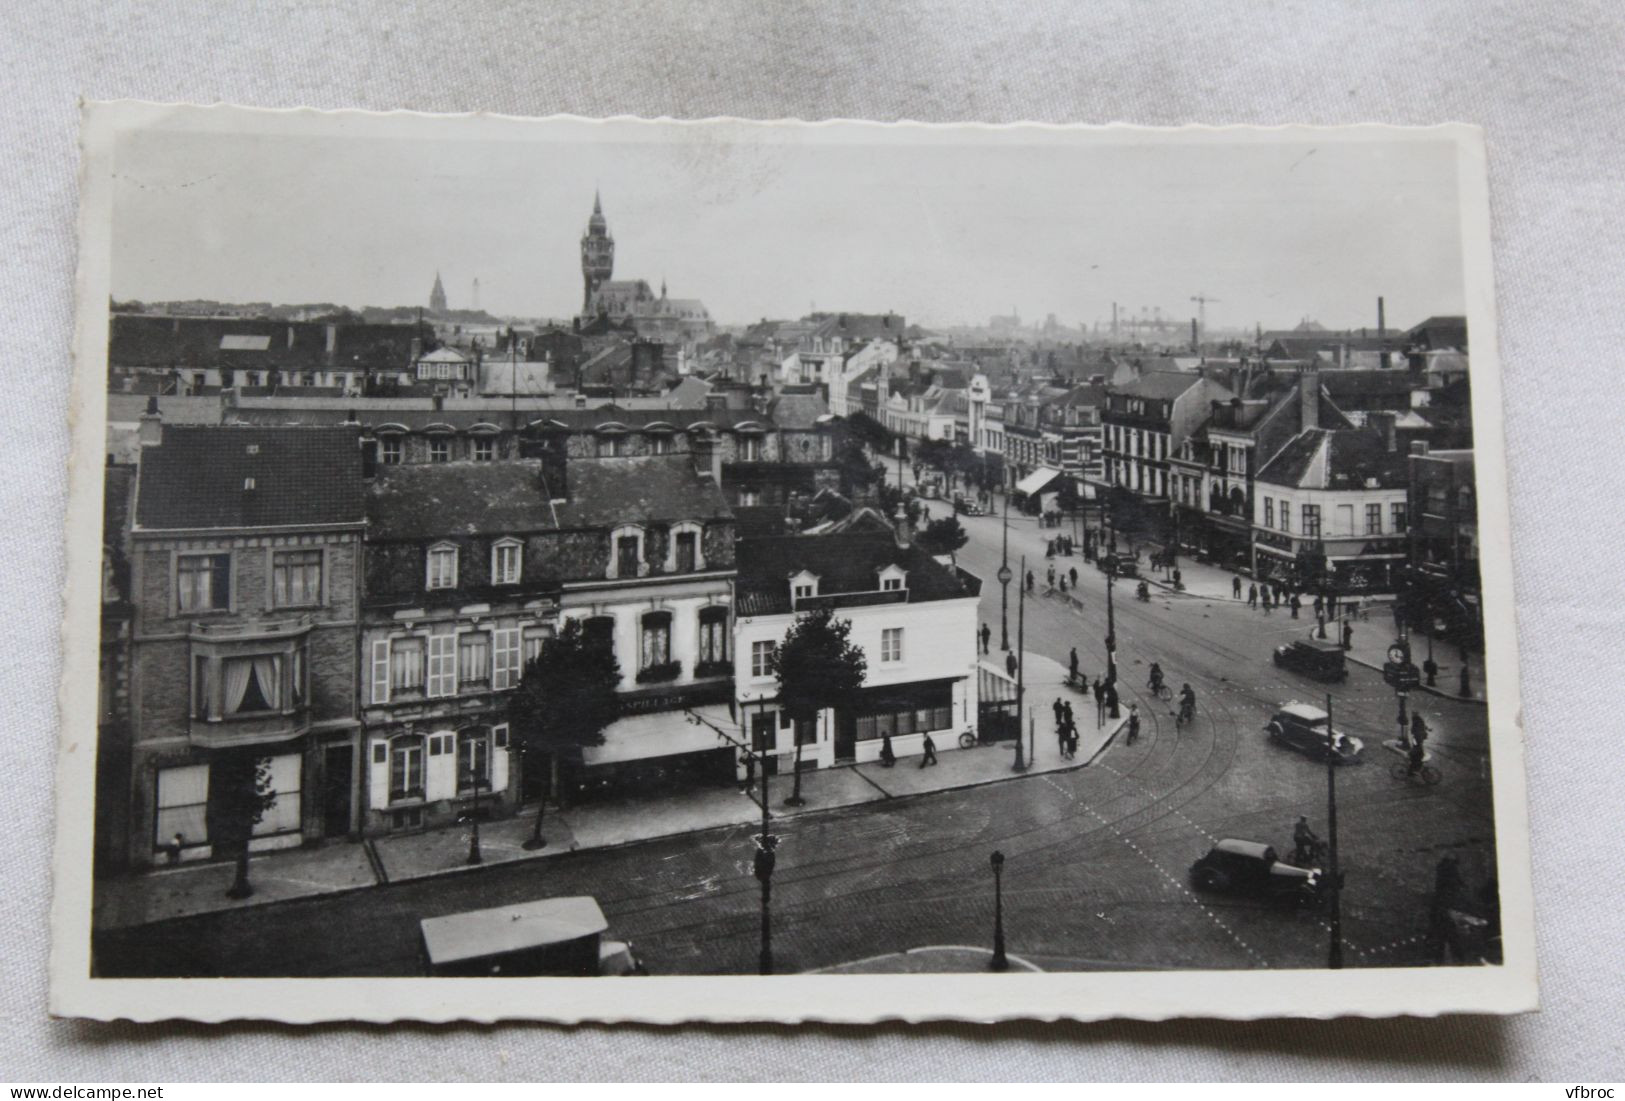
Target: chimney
(351,418)
(1342,355)
(1309,398)
(1385,424)
(332,340)
(1382,320)
(290,336)
(905,529)
(1196,342)
(1419,447)
(151,432)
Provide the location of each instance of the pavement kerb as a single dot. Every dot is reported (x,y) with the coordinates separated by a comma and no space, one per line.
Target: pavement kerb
(1443,695)
(387,880)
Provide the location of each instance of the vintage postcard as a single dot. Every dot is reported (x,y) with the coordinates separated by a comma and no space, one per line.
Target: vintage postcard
(672,571)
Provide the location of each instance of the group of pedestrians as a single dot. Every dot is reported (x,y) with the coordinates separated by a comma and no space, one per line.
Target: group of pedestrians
(1269,597)
(1066,729)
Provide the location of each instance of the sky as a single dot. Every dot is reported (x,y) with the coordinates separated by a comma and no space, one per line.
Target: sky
(947,231)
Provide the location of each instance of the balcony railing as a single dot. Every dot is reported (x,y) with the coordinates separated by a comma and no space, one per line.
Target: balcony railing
(251,628)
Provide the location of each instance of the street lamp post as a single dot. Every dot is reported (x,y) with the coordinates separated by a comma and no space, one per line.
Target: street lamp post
(762,864)
(1111,618)
(1004,576)
(1021,667)
(1001,962)
(1334,880)
(474,854)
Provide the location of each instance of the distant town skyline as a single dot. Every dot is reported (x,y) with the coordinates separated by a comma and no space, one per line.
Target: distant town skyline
(946,234)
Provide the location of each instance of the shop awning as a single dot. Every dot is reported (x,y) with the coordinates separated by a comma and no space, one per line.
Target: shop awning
(1038,481)
(664,734)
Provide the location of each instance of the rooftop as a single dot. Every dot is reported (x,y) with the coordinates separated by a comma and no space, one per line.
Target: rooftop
(238,476)
(845,564)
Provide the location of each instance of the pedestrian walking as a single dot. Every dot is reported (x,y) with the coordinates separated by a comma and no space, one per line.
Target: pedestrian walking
(1072,667)
(1029,581)
(1060,734)
(1111,699)
(1348,635)
(1179,582)
(750,772)
(1071,740)
(1320,604)
(1073,573)
(1419,729)
(1296,604)
(1100,704)
(1252,596)
(1059,712)
(987,636)
(1320,624)
(1050,576)
(1063,582)
(928,752)
(1133,723)
(1235,587)
(888,756)
(1331,605)
(1066,715)
(1010,663)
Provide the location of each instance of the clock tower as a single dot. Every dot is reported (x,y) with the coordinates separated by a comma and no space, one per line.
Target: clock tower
(597,255)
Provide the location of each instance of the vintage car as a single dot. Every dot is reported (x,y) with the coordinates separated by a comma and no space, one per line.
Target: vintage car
(967,507)
(1121,564)
(1302,727)
(1322,660)
(549,936)
(1241,867)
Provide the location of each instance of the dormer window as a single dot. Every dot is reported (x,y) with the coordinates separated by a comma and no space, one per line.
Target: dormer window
(442,567)
(893,579)
(506,561)
(803,586)
(685,552)
(626,553)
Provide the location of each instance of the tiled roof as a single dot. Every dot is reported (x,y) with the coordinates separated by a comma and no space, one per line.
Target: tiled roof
(1362,381)
(425,500)
(845,563)
(301,477)
(150,341)
(1160,384)
(1348,459)
(796,410)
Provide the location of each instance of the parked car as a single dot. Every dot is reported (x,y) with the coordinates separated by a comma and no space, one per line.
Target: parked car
(1122,564)
(549,936)
(1302,727)
(1322,660)
(967,507)
(1238,867)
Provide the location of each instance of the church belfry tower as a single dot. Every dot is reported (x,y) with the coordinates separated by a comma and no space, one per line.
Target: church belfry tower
(597,255)
(437,297)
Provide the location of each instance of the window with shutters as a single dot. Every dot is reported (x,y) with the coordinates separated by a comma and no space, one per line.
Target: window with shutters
(473,658)
(380,671)
(406,665)
(442,678)
(406,767)
(505,670)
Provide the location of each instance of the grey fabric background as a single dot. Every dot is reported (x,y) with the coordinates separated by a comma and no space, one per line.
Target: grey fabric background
(1544,79)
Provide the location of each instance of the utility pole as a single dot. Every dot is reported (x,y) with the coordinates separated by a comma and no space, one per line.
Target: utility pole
(1004,581)
(1021,665)
(1111,612)
(1334,877)
(764,861)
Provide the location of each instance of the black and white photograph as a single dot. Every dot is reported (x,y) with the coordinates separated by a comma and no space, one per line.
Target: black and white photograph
(785,571)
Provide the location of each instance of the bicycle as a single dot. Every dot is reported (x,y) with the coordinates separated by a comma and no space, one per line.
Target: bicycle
(1427,774)
(1161,691)
(967,740)
(1186,714)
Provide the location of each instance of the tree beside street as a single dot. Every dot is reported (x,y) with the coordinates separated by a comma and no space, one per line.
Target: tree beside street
(240,795)
(564,702)
(818,666)
(944,536)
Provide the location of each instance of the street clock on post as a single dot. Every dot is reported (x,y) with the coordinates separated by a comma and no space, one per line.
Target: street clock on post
(1399,654)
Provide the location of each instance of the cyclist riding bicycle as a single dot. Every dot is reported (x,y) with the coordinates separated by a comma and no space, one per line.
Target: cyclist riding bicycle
(1155,683)
(1187,704)
(1143,591)
(1416,758)
(1304,841)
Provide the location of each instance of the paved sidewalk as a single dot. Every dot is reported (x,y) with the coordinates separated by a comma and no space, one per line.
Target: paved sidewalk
(201,888)
(1370,648)
(345,866)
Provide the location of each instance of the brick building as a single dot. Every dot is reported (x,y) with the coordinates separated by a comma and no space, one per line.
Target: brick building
(243,553)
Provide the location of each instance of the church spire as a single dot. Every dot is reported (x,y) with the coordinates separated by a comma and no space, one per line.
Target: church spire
(437,297)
